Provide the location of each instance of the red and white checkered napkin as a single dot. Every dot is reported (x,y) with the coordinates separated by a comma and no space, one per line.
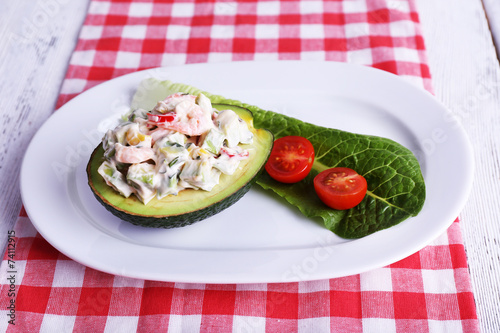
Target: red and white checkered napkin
(428,291)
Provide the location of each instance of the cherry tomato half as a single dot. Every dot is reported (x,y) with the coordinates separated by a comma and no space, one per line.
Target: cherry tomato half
(291,159)
(340,188)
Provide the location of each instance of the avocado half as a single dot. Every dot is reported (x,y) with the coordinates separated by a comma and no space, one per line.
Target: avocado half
(189,205)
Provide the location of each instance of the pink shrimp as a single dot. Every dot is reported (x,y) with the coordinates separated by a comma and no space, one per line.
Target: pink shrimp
(132,154)
(190,119)
(158,134)
(169,103)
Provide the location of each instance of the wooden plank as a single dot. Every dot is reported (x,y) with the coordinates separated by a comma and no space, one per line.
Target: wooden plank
(36,41)
(466,78)
(492,9)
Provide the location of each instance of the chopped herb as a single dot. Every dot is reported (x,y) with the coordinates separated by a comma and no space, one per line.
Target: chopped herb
(172,163)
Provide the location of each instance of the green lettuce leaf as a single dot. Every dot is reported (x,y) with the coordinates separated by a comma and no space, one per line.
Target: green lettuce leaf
(396,188)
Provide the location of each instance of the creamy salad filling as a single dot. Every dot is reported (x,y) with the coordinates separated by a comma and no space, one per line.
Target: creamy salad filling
(183,142)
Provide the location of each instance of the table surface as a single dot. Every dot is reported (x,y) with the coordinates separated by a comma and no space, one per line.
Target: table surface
(36,42)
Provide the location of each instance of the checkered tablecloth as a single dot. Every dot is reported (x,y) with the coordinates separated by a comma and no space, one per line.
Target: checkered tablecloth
(429,291)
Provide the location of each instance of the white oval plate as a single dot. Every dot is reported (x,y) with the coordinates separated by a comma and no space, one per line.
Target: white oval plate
(260,238)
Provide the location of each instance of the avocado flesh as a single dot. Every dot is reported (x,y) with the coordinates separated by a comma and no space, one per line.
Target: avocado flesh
(189,205)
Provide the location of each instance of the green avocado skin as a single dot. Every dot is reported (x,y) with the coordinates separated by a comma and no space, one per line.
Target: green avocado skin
(193,214)
(176,221)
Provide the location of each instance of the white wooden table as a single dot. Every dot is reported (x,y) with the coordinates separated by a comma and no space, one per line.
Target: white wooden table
(37,38)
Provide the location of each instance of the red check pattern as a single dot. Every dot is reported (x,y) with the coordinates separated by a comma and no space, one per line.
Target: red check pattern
(429,291)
